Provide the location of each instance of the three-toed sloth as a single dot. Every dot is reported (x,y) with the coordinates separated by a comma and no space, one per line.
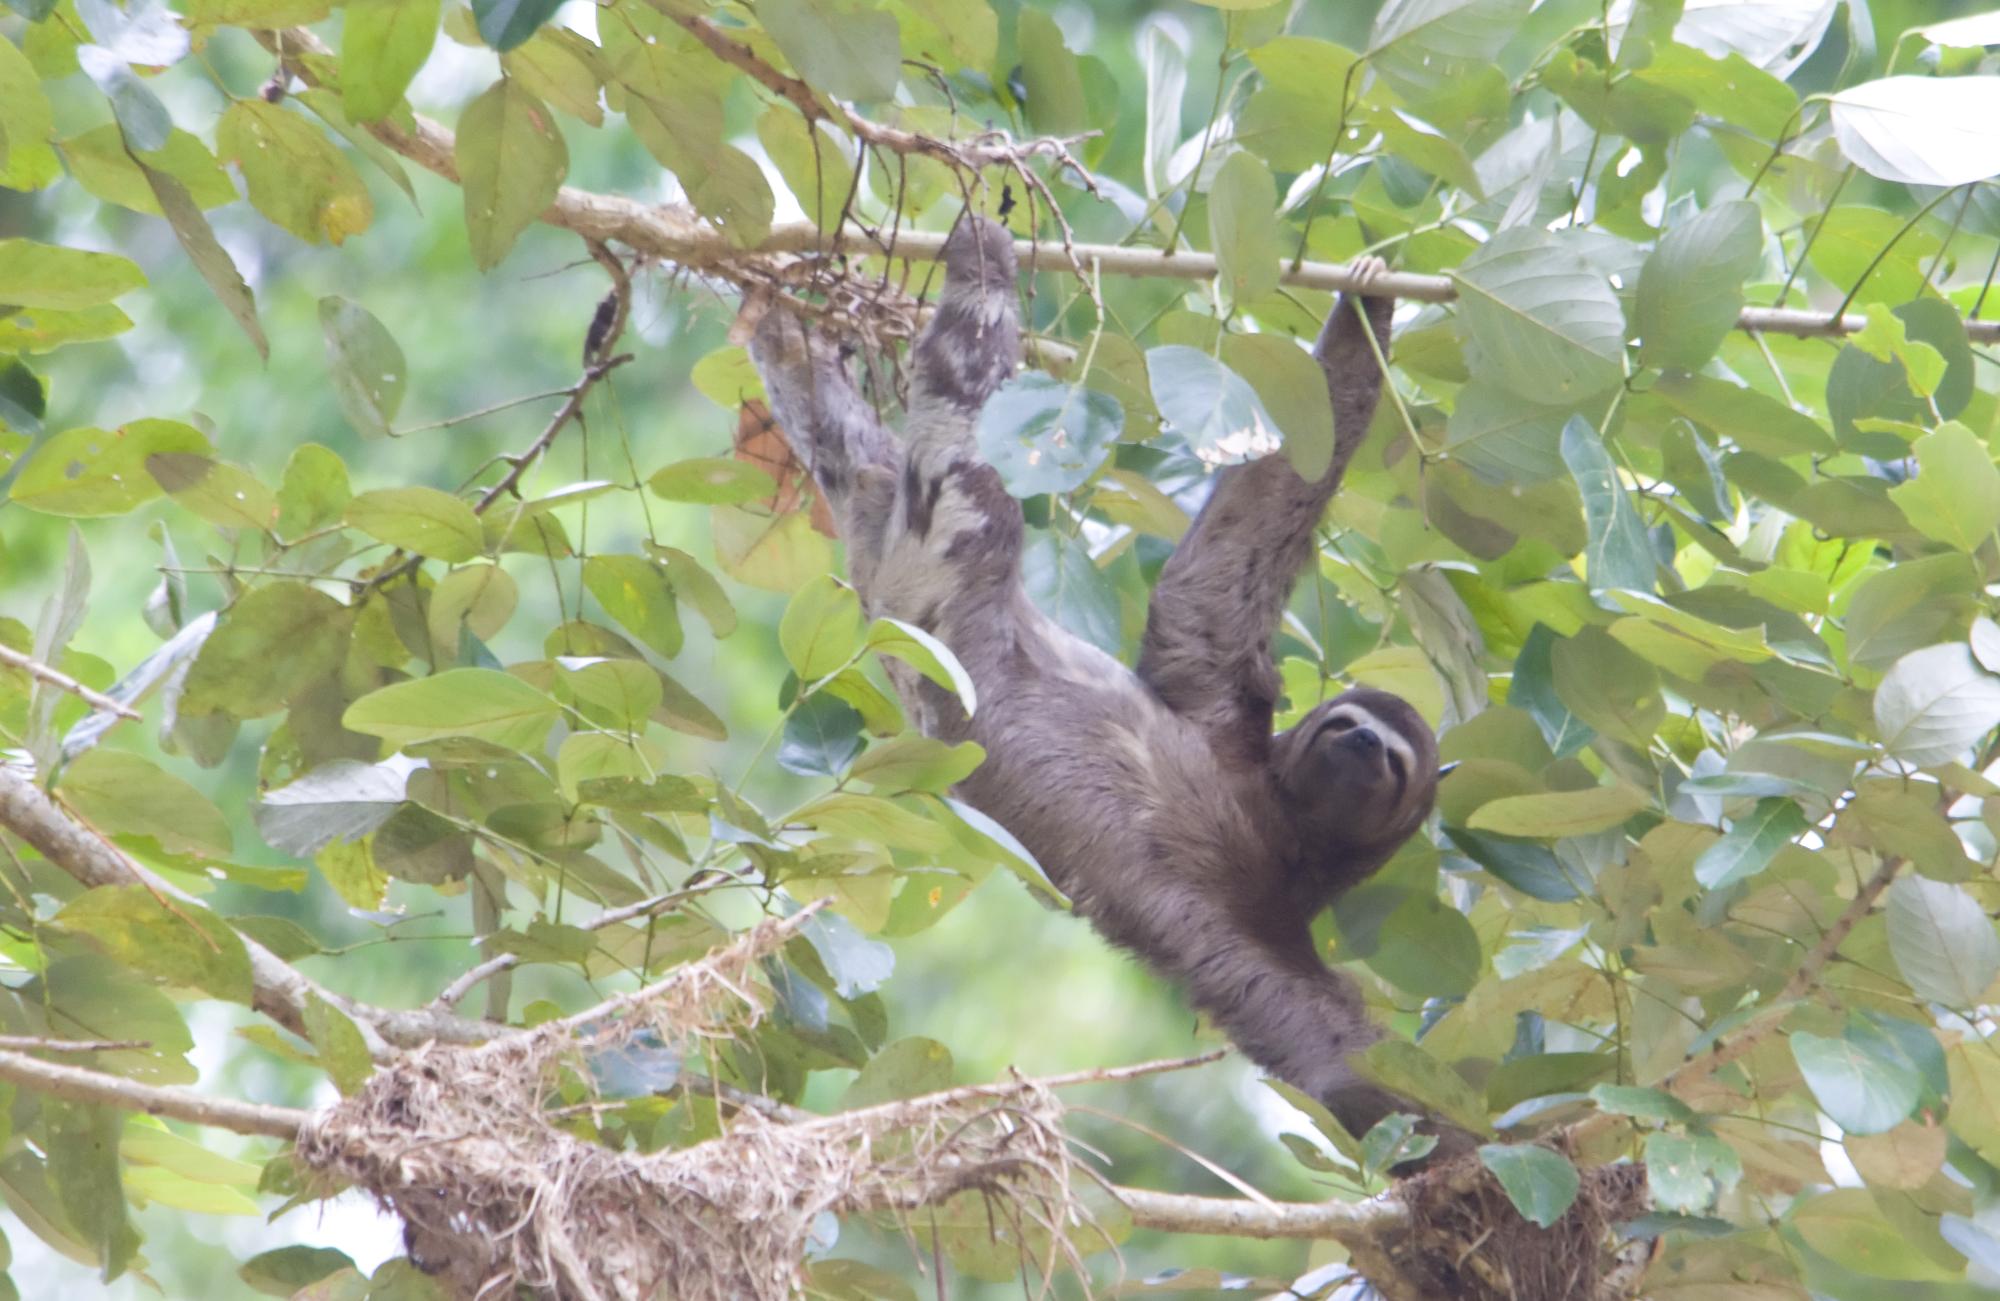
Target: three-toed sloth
(1159,801)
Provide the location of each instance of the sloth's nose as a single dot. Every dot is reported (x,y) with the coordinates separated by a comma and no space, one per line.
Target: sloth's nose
(1362,739)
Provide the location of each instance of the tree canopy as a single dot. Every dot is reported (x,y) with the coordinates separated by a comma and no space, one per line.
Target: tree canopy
(427,685)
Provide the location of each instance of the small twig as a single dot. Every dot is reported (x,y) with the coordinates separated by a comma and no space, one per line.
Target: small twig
(454,993)
(989,149)
(56,678)
(28,1043)
(79,1085)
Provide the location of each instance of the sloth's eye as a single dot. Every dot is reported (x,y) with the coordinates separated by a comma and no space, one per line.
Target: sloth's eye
(1396,766)
(1339,723)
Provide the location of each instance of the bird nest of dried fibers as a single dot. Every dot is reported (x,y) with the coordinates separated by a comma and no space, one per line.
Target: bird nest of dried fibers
(497,1195)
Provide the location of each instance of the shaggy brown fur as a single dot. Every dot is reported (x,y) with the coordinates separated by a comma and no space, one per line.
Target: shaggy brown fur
(1160,801)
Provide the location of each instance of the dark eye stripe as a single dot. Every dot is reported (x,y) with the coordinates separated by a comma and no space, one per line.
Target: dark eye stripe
(1339,723)
(1397,767)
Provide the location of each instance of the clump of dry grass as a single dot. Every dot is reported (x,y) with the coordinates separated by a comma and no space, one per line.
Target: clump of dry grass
(495,1195)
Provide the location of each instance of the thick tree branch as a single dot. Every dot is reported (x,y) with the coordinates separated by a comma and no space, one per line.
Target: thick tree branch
(673,233)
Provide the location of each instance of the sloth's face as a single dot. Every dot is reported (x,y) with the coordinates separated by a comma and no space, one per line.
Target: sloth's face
(1364,763)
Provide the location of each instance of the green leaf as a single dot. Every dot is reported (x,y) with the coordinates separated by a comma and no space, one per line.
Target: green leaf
(1757,422)
(46,275)
(295,175)
(820,630)
(478,599)
(1209,405)
(258,15)
(1691,287)
(875,820)
(1428,948)
(123,794)
(1402,1067)
(1050,75)
(511,161)
(1910,605)
(847,49)
(88,472)
(1618,554)
(906,1068)
(697,587)
(285,1271)
(343,1053)
(481,703)
(563,69)
(26,161)
(1643,1104)
(814,164)
(1919,130)
(1752,842)
(1422,46)
(712,480)
(924,653)
(197,239)
(1541,1183)
(141,117)
(618,693)
(81,1143)
(1685,1172)
(369,373)
(1955,497)
(218,492)
(1560,813)
(913,762)
(856,963)
(1293,390)
(1608,686)
(1934,703)
(276,641)
(105,165)
(1243,224)
(1864,1093)
(1545,322)
(634,590)
(338,801)
(822,737)
(424,521)
(186,945)
(1847,1226)
(1065,584)
(1043,435)
(382,45)
(504,24)
(1525,865)
(1943,941)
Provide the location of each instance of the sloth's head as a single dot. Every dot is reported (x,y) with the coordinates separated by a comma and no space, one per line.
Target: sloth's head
(1361,769)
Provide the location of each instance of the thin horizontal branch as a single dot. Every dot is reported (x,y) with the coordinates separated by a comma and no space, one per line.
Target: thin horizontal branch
(175,1103)
(56,678)
(674,233)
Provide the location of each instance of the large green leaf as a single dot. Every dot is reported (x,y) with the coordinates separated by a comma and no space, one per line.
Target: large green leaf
(295,175)
(1934,703)
(1943,941)
(480,703)
(1863,1092)
(1618,554)
(1691,287)
(382,45)
(1043,435)
(511,161)
(1544,319)
(1540,1182)
(844,47)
